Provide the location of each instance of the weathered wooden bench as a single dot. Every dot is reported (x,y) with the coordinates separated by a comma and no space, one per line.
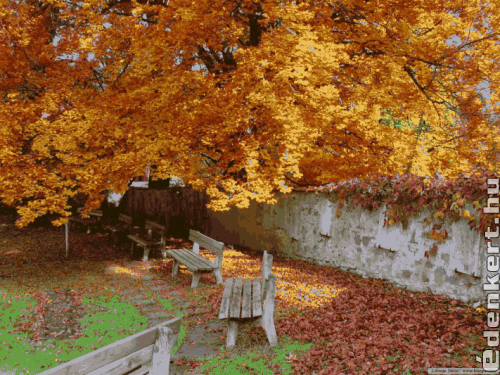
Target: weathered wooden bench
(87,222)
(155,238)
(194,262)
(124,225)
(152,346)
(257,304)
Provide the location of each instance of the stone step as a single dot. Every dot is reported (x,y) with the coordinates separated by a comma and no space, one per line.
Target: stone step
(158,314)
(160,287)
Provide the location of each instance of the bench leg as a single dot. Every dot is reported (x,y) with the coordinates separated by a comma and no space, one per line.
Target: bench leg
(146,254)
(161,353)
(267,321)
(232,332)
(218,275)
(175,267)
(196,280)
(88,228)
(132,249)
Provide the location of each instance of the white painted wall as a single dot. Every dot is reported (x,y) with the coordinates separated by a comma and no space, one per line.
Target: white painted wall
(305,227)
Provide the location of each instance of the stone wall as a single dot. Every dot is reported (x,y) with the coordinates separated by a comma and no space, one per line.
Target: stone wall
(305,227)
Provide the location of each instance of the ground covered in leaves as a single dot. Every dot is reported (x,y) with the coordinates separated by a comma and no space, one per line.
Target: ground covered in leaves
(354,325)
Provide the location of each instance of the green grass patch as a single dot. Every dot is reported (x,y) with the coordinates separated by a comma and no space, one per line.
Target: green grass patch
(254,362)
(101,328)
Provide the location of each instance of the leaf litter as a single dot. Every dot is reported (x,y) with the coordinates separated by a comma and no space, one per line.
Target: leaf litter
(355,325)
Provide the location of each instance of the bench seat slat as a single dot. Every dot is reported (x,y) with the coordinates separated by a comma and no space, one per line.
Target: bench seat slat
(257,298)
(192,263)
(226,298)
(181,257)
(246,306)
(116,228)
(236,299)
(199,260)
(145,241)
(201,263)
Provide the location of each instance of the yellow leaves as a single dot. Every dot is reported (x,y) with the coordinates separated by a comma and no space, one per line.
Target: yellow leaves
(137,10)
(86,43)
(290,90)
(466,214)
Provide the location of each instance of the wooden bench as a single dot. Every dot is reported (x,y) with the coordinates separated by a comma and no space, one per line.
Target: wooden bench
(87,222)
(153,346)
(257,304)
(194,262)
(124,225)
(155,237)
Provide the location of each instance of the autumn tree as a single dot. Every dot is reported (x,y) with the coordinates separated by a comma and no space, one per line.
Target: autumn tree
(239,98)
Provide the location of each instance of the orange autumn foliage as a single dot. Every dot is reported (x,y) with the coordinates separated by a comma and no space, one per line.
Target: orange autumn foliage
(92,91)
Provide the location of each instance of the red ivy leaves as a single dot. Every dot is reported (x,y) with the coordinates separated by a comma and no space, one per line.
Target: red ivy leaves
(410,196)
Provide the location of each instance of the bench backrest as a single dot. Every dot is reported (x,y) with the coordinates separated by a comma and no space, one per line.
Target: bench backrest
(154,344)
(154,227)
(199,239)
(126,219)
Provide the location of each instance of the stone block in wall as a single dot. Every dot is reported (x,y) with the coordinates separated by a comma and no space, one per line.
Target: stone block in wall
(326,218)
(391,237)
(466,248)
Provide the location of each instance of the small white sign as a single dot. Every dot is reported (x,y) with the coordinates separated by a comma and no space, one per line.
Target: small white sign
(460,371)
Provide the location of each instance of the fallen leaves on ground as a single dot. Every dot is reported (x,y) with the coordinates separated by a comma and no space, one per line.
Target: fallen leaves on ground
(357,325)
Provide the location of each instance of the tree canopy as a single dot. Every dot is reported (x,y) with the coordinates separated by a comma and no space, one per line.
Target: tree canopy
(241,98)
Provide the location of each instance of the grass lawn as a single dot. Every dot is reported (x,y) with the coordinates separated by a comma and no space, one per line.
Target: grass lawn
(327,321)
